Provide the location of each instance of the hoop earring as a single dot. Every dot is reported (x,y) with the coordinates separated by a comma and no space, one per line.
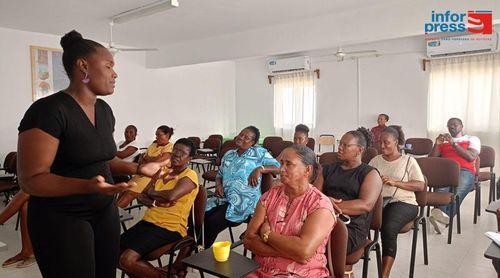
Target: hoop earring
(86,79)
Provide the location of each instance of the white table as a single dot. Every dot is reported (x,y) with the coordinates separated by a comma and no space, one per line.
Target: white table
(205,150)
(202,162)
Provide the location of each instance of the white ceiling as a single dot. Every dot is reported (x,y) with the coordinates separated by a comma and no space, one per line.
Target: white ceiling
(201,31)
(192,20)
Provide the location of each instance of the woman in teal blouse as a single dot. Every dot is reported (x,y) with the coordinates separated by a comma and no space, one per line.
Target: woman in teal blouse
(238,184)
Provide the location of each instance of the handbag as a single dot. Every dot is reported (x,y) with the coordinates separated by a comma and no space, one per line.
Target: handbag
(388,199)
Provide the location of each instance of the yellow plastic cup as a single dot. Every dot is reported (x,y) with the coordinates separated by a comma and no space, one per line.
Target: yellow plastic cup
(221,250)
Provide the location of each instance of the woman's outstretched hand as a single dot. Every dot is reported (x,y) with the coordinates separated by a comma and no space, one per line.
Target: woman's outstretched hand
(100,186)
(151,168)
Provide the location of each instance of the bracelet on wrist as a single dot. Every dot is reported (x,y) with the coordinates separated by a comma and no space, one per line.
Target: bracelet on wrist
(265,236)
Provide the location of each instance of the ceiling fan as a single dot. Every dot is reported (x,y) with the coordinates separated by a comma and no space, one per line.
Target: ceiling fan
(132,14)
(341,55)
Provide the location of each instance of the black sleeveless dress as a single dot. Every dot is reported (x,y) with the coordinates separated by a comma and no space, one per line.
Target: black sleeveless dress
(346,185)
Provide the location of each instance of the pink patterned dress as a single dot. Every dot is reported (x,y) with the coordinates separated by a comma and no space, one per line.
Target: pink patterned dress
(290,223)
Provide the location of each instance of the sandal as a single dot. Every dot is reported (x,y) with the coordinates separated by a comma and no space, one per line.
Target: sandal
(27,262)
(13,261)
(349,274)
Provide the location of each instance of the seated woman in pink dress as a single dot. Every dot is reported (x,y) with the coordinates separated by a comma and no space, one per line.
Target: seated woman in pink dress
(292,222)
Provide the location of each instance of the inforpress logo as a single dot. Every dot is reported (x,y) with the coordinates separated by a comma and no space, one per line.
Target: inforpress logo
(479,22)
(482,22)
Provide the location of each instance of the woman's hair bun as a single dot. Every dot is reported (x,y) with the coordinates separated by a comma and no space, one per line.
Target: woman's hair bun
(368,136)
(70,38)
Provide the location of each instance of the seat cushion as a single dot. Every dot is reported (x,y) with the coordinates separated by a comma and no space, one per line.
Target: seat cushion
(438,198)
(357,254)
(209,175)
(484,176)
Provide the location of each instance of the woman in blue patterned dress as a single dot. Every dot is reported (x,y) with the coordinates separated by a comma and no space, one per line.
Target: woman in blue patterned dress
(238,184)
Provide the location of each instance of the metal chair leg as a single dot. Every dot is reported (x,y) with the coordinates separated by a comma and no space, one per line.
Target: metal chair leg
(450,225)
(479,201)
(459,221)
(413,251)
(476,200)
(366,260)
(497,189)
(378,253)
(18,220)
(231,235)
(424,241)
(494,190)
(491,196)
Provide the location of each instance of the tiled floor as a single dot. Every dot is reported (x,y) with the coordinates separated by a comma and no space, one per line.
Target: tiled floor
(463,258)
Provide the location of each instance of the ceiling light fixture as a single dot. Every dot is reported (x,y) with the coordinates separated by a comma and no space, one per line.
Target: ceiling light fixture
(142,11)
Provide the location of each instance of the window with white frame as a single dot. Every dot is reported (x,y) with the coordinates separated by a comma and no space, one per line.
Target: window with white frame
(467,88)
(294,102)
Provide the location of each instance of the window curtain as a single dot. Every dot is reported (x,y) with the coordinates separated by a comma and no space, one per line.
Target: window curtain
(467,88)
(294,102)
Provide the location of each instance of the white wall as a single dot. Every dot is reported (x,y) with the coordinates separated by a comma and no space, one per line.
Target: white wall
(195,100)
(392,84)
(15,77)
(254,96)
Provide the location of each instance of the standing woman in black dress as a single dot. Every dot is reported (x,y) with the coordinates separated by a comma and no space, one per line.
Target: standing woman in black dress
(66,157)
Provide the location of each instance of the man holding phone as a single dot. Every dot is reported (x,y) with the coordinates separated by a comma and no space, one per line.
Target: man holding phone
(464,149)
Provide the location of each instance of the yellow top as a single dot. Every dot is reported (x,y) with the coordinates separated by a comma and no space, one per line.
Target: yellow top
(154,150)
(174,218)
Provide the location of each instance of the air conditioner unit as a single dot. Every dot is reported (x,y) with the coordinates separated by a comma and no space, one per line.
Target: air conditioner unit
(462,45)
(289,64)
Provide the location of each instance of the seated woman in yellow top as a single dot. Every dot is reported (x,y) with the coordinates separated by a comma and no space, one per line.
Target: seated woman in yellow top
(169,197)
(159,150)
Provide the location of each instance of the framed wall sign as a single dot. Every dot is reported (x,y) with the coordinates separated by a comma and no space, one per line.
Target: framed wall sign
(47,71)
